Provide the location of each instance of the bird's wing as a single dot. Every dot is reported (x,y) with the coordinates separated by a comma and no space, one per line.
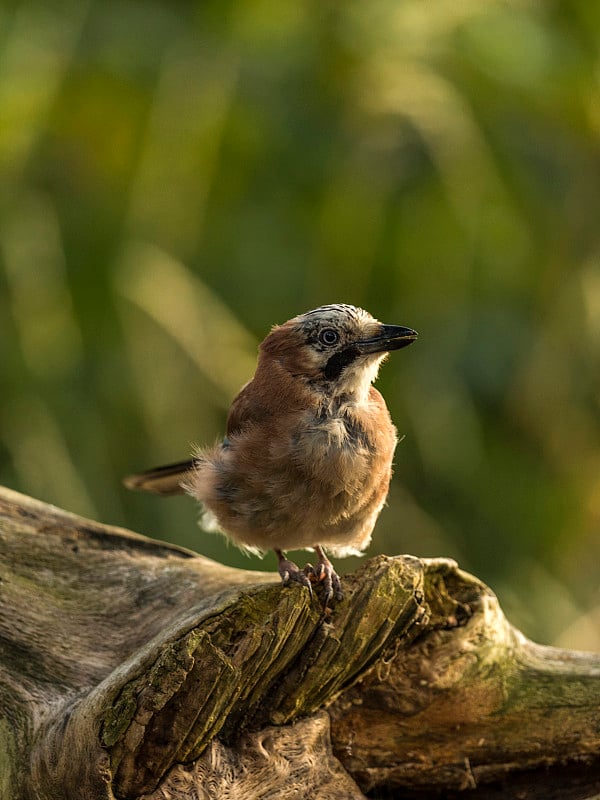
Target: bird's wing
(244,409)
(168,479)
(161,480)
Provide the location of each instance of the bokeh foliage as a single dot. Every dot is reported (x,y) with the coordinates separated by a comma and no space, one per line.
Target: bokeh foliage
(175,177)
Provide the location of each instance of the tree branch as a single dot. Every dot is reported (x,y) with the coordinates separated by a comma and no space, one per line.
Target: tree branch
(133,668)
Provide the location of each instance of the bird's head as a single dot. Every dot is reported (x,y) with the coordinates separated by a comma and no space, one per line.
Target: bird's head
(336,349)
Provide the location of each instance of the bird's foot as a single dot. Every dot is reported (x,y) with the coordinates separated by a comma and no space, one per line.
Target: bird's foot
(291,573)
(323,572)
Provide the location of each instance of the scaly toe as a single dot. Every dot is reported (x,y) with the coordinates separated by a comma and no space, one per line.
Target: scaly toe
(337,587)
(291,573)
(324,573)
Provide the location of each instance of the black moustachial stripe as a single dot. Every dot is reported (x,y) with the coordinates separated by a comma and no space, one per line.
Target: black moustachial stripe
(338,362)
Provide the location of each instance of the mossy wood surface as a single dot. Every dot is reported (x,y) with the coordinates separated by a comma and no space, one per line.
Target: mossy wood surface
(131,668)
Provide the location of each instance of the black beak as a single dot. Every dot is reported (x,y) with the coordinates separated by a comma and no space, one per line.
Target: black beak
(391,337)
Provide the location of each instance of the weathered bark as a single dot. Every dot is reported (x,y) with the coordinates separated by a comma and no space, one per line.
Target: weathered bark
(133,668)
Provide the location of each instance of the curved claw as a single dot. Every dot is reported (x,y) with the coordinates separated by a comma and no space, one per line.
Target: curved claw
(324,573)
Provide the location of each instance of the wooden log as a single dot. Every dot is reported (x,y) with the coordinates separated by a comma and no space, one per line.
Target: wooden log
(473,703)
(131,668)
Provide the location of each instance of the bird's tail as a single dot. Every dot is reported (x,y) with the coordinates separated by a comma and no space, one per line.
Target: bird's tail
(162,480)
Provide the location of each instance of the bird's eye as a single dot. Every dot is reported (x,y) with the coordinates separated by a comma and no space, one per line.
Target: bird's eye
(329,337)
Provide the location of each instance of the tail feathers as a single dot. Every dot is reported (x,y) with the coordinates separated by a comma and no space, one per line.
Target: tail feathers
(161,480)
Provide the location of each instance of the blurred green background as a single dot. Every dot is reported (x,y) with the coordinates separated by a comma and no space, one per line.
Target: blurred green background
(176,177)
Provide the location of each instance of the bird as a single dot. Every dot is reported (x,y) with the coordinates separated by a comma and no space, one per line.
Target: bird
(306,461)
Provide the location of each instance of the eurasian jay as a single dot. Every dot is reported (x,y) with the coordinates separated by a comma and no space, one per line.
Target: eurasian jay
(307,457)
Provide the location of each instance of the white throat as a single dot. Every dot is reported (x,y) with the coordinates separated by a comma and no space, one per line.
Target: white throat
(357,378)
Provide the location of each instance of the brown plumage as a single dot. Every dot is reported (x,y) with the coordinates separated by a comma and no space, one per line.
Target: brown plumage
(307,458)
